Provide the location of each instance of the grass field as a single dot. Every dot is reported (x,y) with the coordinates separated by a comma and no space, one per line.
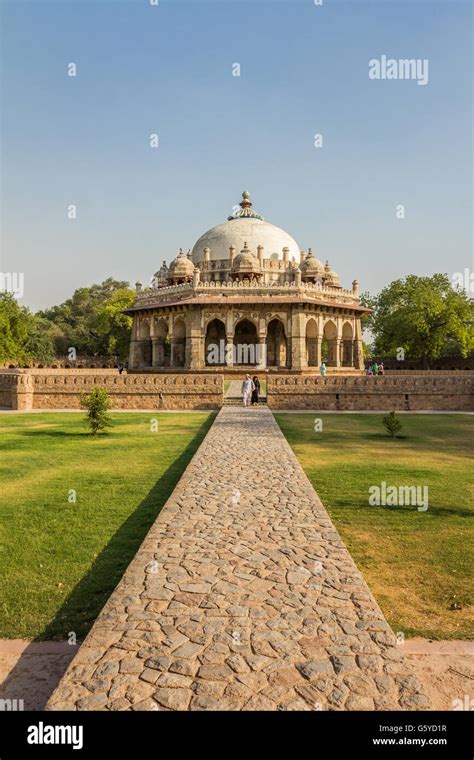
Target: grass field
(416,563)
(60,559)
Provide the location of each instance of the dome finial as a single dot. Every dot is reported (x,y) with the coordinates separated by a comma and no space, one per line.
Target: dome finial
(245,209)
(245,202)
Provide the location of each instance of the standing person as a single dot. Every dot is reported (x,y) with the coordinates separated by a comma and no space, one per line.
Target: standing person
(322,369)
(375,368)
(381,368)
(120,368)
(255,389)
(247,390)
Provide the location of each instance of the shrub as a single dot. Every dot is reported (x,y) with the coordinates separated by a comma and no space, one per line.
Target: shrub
(392,424)
(97,403)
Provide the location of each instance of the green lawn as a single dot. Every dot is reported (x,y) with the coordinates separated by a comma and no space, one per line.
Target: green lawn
(60,560)
(416,563)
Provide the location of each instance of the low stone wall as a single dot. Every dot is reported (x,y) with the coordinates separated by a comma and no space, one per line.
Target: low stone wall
(411,392)
(26,390)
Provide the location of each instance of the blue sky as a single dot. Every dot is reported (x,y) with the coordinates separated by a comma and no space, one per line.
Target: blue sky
(167,69)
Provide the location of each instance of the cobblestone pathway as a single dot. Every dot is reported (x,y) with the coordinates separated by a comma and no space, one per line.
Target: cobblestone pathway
(241,597)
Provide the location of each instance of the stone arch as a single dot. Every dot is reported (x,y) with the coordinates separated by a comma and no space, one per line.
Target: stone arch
(276,343)
(161,343)
(215,341)
(246,343)
(252,322)
(312,342)
(347,345)
(330,341)
(145,343)
(178,345)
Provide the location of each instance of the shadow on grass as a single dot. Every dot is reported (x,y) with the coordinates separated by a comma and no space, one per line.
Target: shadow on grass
(82,606)
(56,433)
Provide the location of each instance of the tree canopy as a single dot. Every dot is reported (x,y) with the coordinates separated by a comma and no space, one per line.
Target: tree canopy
(91,322)
(426,316)
(23,335)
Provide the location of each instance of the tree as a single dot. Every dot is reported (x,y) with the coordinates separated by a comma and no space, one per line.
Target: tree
(392,424)
(113,326)
(425,316)
(90,321)
(97,403)
(24,336)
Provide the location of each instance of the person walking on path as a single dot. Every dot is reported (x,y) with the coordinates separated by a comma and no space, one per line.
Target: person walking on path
(322,369)
(247,388)
(255,389)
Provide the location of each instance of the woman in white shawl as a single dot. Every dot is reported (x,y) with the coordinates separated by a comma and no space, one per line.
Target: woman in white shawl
(247,388)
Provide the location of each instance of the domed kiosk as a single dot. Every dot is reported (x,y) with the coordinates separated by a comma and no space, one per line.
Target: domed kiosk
(245,295)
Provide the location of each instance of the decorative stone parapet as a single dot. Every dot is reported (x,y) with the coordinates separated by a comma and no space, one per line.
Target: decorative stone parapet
(410,392)
(150,296)
(56,390)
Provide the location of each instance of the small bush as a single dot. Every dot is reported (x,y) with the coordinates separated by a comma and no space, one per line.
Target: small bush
(97,403)
(392,424)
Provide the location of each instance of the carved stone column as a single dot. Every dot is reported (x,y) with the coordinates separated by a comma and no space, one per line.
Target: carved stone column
(135,346)
(319,341)
(195,342)
(298,339)
(358,347)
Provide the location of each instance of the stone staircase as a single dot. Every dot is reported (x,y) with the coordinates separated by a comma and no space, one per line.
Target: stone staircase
(233,395)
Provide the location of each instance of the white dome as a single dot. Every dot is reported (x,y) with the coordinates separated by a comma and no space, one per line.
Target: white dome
(246,227)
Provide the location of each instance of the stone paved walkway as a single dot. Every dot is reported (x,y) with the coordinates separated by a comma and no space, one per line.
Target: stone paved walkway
(241,597)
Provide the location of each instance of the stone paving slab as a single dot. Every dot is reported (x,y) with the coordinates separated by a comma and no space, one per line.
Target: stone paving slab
(241,597)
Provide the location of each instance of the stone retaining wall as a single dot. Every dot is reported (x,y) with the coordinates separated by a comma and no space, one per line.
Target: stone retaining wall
(56,389)
(25,390)
(416,391)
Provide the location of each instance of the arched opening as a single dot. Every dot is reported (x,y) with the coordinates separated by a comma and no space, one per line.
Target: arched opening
(330,334)
(145,344)
(215,343)
(246,346)
(347,345)
(276,344)
(178,347)
(312,343)
(161,345)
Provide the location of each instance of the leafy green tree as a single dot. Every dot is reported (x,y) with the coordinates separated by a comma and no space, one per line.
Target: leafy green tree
(90,321)
(97,404)
(392,424)
(113,326)
(425,316)
(23,336)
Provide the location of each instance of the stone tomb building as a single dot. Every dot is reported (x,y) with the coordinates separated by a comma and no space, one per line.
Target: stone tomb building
(246,295)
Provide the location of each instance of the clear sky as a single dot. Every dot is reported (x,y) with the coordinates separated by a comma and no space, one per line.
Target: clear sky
(167,69)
